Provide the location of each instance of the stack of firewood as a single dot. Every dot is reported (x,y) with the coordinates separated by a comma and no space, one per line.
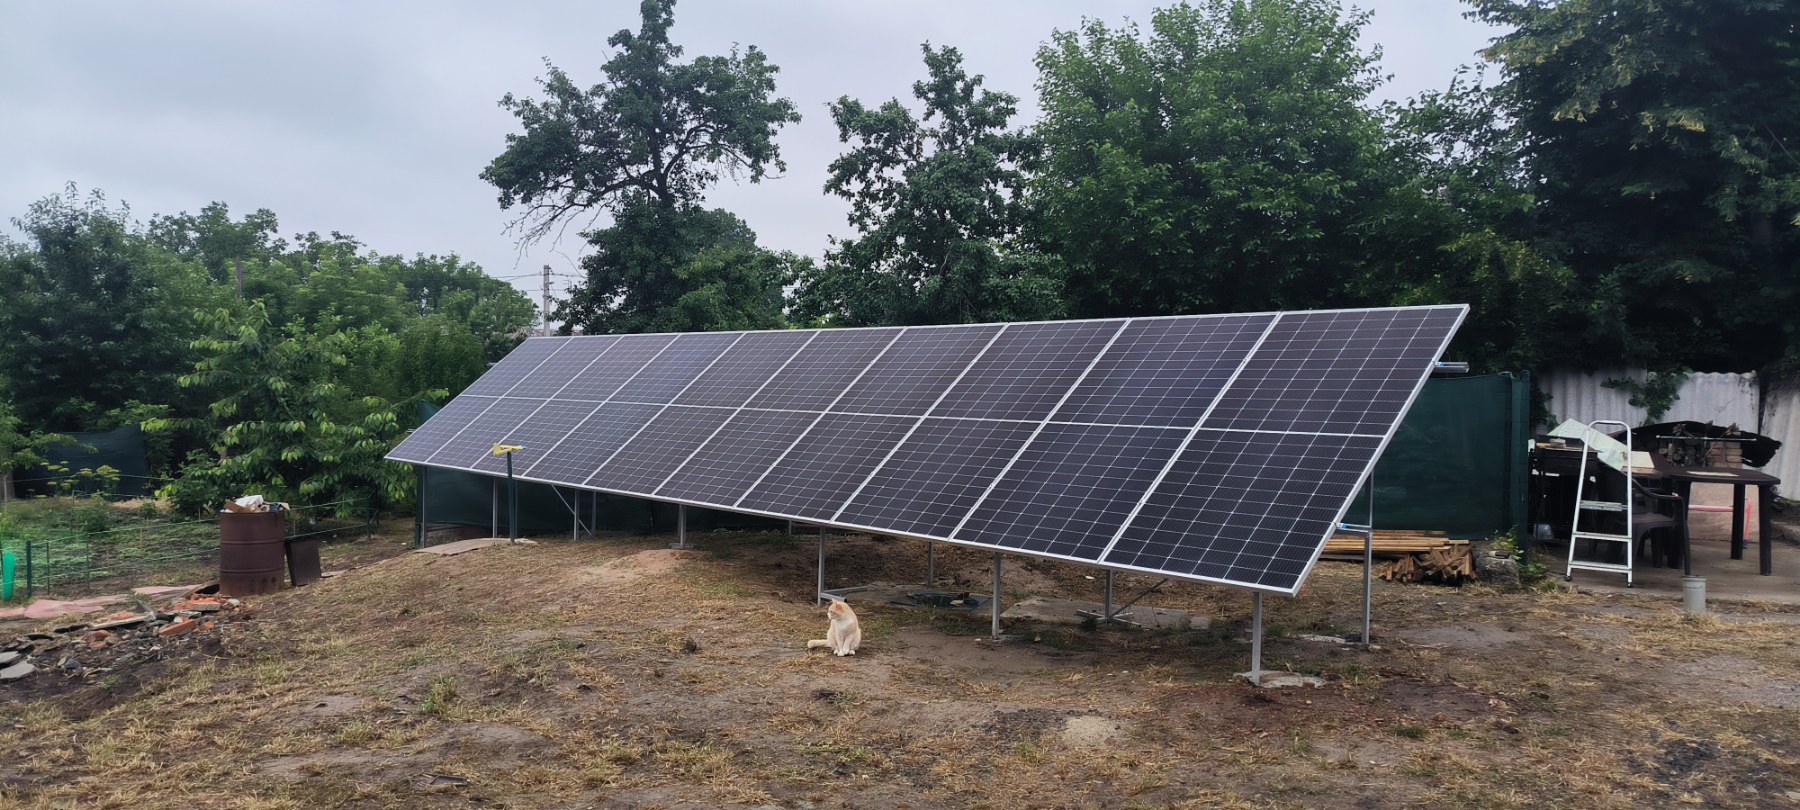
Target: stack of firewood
(1411,556)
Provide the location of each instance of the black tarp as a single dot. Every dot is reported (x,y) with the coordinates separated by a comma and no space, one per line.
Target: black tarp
(121,448)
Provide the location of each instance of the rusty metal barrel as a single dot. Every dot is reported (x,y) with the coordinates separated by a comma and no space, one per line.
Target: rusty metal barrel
(252,553)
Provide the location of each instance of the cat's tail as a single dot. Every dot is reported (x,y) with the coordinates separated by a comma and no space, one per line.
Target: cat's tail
(817,643)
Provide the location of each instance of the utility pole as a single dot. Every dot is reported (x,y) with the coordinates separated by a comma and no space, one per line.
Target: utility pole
(546,330)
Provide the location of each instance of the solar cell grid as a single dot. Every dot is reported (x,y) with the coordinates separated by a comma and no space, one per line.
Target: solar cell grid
(744,368)
(537,433)
(828,463)
(822,370)
(916,370)
(685,359)
(1163,371)
(1071,488)
(1246,507)
(1074,439)
(478,439)
(1027,370)
(625,359)
(429,437)
(1332,372)
(663,444)
(563,365)
(515,366)
(590,444)
(936,475)
(723,469)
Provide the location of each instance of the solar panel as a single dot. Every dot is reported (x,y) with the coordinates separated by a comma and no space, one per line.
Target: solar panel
(1218,448)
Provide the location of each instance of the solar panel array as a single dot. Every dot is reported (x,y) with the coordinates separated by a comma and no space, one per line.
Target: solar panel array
(1219,448)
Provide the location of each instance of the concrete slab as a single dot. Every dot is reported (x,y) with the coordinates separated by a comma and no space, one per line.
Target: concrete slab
(1066,611)
(461,546)
(1283,680)
(1727,580)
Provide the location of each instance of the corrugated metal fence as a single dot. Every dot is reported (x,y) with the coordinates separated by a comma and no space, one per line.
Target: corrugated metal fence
(1719,399)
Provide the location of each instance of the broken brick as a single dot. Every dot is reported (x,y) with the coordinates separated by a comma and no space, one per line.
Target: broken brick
(181,626)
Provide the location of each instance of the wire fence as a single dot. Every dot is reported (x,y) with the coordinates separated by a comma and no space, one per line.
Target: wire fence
(62,556)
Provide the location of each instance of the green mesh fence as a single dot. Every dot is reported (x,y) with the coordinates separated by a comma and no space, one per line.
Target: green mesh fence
(1457,464)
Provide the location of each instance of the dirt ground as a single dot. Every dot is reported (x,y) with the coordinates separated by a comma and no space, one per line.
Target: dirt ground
(619,674)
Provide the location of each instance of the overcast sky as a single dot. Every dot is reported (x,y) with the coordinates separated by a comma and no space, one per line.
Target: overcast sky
(374,119)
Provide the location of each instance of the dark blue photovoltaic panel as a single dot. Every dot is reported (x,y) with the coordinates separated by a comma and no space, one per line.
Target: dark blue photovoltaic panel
(725,467)
(1335,372)
(588,446)
(822,370)
(828,464)
(486,430)
(549,425)
(620,363)
(1164,371)
(915,370)
(418,447)
(936,476)
(677,366)
(514,367)
(563,366)
(1071,489)
(1027,370)
(1251,508)
(643,463)
(744,368)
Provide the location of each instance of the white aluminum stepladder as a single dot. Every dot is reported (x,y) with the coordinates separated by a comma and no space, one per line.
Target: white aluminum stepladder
(1600,508)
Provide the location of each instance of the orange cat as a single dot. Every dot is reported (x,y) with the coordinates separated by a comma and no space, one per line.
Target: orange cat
(844,635)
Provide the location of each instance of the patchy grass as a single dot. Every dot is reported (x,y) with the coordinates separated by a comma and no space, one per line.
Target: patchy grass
(541,676)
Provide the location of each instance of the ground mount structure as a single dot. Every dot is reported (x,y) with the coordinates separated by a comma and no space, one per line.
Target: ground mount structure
(1213,448)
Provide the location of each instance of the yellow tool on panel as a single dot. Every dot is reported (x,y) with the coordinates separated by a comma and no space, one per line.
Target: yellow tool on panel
(503,449)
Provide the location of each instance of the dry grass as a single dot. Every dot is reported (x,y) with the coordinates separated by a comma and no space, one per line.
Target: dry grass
(512,669)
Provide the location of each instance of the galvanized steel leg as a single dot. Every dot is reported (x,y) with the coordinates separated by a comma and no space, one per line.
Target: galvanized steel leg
(996,605)
(680,526)
(1368,560)
(1107,609)
(1256,633)
(819,597)
(930,562)
(494,502)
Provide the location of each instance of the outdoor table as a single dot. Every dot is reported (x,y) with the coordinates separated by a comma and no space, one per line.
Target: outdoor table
(1738,478)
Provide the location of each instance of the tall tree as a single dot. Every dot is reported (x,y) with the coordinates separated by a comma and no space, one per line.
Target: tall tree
(1225,160)
(937,199)
(672,269)
(1662,135)
(661,129)
(92,316)
(218,243)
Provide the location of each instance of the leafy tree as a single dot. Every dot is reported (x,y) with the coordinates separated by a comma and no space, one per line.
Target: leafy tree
(434,353)
(1224,161)
(92,316)
(21,448)
(654,130)
(214,240)
(1658,135)
(667,269)
(282,424)
(937,201)
(496,312)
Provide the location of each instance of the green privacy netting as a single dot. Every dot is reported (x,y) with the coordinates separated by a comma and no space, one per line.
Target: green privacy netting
(121,448)
(1457,464)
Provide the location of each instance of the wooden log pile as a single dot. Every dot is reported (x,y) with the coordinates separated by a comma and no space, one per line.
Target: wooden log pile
(1411,556)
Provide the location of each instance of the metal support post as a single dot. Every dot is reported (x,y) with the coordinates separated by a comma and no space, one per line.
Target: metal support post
(1106,609)
(996,604)
(575,518)
(819,598)
(680,526)
(930,562)
(1369,560)
(422,528)
(790,525)
(512,502)
(494,503)
(1256,633)
(593,514)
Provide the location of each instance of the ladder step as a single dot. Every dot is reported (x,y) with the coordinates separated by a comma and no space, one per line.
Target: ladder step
(1617,538)
(1603,506)
(1616,568)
